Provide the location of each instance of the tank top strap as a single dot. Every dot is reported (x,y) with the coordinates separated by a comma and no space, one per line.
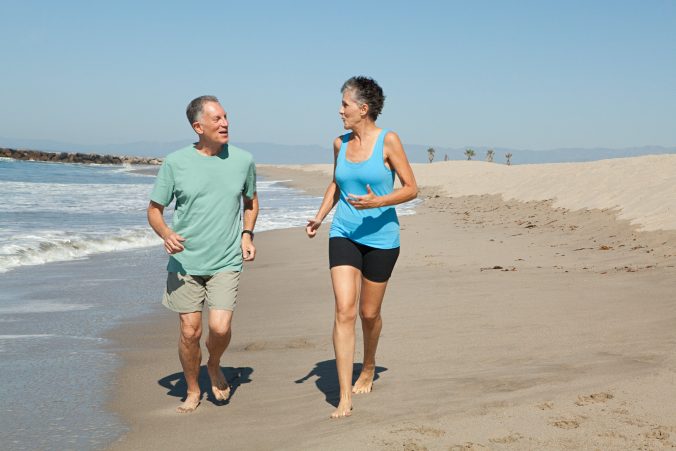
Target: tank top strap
(380,145)
(343,147)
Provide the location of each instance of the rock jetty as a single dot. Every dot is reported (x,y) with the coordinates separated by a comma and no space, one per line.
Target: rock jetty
(65,157)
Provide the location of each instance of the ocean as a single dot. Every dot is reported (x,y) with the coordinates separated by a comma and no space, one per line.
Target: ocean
(57,220)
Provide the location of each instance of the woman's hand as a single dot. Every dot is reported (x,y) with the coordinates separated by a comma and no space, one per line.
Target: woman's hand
(312,226)
(368,200)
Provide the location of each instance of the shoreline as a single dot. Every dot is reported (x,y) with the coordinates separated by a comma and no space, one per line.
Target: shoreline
(508,325)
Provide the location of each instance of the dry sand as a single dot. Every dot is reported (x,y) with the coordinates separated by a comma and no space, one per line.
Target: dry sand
(507,325)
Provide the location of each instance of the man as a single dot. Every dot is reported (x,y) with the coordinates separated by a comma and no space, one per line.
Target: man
(208,179)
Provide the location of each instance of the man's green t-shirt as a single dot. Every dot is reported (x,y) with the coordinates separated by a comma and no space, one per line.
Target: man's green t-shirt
(208,193)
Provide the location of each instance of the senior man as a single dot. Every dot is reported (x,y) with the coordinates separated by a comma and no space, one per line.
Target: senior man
(208,240)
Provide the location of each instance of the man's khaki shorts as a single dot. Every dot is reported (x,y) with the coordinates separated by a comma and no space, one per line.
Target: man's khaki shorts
(186,293)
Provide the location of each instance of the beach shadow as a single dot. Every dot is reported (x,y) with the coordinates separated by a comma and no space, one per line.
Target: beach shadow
(327,378)
(176,386)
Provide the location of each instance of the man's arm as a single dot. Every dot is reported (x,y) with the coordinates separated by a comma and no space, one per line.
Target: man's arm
(249,222)
(172,240)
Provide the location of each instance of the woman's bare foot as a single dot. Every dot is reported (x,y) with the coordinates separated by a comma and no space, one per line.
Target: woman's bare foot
(365,382)
(190,404)
(219,386)
(344,408)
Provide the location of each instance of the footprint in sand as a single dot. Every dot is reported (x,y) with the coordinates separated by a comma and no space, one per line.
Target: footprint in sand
(657,433)
(296,343)
(410,445)
(565,423)
(469,446)
(548,405)
(422,430)
(511,438)
(594,398)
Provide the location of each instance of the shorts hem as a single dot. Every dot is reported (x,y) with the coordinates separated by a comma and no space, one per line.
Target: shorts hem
(230,309)
(175,310)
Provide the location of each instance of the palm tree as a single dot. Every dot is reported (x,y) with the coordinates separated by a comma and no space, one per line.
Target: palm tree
(490,153)
(430,154)
(508,155)
(469,153)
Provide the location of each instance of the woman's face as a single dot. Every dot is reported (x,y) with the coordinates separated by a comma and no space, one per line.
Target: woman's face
(350,111)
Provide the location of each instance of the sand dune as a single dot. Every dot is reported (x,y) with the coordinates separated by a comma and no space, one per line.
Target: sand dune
(642,189)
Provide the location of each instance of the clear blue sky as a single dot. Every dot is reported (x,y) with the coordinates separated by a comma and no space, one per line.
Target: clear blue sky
(520,74)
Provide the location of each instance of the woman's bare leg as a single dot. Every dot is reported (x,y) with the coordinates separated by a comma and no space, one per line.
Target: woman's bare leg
(346,281)
(370,302)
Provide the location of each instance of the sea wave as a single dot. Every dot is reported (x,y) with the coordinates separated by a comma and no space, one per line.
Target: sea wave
(62,247)
(68,197)
(42,307)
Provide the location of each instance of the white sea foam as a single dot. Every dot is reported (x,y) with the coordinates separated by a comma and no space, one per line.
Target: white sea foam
(61,246)
(73,198)
(26,336)
(42,307)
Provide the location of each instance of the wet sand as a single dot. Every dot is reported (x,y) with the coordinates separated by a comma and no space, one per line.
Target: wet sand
(507,325)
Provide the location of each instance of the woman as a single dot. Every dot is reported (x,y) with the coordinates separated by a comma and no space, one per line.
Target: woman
(364,236)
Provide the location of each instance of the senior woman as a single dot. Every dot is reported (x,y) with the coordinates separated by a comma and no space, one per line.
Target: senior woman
(364,235)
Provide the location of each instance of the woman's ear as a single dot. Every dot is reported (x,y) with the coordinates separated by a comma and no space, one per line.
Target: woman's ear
(364,109)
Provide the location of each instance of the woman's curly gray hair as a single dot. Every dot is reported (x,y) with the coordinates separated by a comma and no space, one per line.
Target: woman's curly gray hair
(367,91)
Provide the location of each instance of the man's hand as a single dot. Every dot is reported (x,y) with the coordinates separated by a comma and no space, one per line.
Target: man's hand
(368,200)
(312,226)
(248,248)
(172,243)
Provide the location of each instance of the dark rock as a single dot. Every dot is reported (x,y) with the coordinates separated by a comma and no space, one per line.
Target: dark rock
(64,157)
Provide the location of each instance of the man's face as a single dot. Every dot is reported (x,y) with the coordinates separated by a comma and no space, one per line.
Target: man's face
(213,123)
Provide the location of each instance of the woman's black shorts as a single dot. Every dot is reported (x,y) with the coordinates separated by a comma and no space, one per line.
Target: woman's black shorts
(375,264)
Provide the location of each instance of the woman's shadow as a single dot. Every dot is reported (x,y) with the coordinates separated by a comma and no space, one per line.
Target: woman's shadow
(327,378)
(176,386)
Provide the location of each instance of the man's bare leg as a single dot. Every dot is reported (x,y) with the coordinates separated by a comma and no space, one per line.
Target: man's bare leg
(190,354)
(346,290)
(217,342)
(372,294)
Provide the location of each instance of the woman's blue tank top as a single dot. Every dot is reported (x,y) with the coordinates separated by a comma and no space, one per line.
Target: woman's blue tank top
(374,227)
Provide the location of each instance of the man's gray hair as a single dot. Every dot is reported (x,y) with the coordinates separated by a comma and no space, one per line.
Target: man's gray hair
(194,110)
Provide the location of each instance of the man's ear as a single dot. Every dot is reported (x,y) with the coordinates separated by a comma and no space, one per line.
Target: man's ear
(198,128)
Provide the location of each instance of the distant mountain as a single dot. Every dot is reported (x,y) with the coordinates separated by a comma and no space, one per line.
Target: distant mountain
(298,154)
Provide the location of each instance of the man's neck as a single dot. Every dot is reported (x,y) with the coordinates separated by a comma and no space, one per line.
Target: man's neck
(208,148)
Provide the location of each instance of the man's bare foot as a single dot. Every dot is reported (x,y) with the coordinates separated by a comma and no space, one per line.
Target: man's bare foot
(219,385)
(344,409)
(365,382)
(190,404)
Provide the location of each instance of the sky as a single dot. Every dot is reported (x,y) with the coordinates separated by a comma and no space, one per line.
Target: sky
(520,74)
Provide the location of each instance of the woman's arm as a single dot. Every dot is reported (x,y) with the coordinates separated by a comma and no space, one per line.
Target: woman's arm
(395,156)
(331,197)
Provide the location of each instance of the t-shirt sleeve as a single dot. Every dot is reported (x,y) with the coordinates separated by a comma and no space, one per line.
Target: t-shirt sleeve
(250,183)
(163,191)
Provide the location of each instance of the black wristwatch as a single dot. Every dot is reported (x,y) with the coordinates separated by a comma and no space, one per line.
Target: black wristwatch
(250,232)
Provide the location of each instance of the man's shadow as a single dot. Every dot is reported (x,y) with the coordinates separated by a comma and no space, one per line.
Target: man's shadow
(176,385)
(327,378)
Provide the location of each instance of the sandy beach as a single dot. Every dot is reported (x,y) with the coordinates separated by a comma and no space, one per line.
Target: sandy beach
(532,307)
